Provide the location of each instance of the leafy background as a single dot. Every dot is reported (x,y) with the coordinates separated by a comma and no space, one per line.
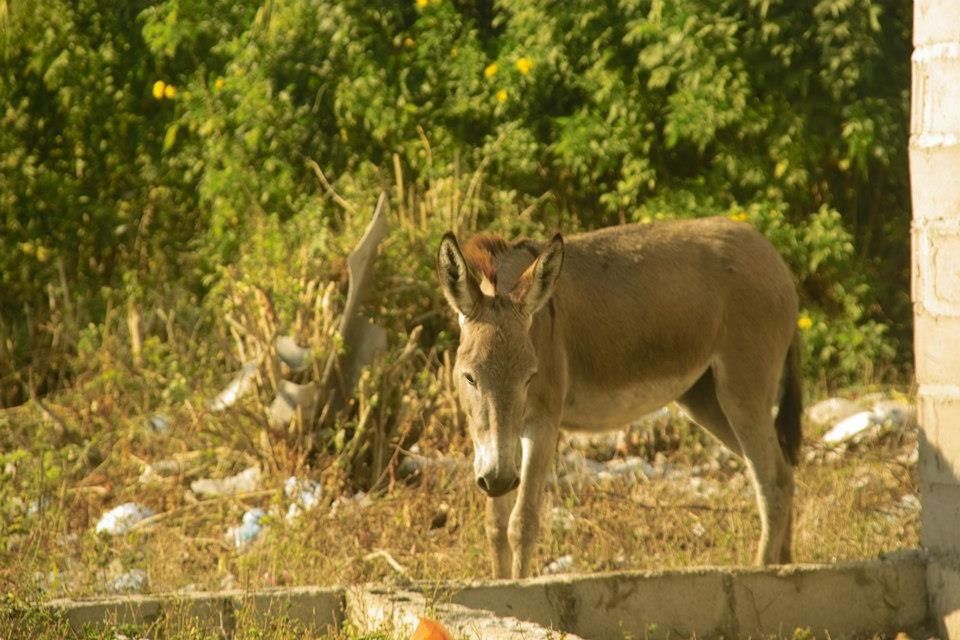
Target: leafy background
(155,158)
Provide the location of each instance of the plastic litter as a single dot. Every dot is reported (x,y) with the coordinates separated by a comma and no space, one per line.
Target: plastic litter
(304,494)
(291,397)
(293,355)
(119,519)
(563,564)
(132,581)
(238,387)
(895,414)
(249,530)
(158,423)
(244,482)
(430,629)
(849,427)
(832,410)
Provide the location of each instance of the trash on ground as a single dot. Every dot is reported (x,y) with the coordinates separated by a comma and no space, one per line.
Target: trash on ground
(304,494)
(562,520)
(120,519)
(158,423)
(132,581)
(249,530)
(896,414)
(909,502)
(563,564)
(241,384)
(244,482)
(430,629)
(832,410)
(851,426)
(293,355)
(291,398)
(888,414)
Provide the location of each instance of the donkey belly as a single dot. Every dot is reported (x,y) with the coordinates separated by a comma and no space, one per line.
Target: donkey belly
(601,408)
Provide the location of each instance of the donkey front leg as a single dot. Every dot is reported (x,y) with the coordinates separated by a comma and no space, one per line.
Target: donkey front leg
(538,452)
(498,515)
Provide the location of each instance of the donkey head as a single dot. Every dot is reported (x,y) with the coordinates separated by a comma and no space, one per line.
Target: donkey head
(496,359)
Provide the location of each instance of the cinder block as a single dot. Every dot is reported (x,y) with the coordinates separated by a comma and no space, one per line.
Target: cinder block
(944,587)
(97,612)
(935,21)
(935,165)
(373,609)
(935,346)
(938,412)
(940,518)
(935,90)
(636,604)
(936,264)
(314,609)
(845,600)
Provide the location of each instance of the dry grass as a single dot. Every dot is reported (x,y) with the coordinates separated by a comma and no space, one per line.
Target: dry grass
(66,460)
(848,507)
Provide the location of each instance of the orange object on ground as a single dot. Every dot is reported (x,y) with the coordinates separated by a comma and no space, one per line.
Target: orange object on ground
(430,630)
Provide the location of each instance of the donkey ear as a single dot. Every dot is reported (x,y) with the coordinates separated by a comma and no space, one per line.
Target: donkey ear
(458,284)
(536,285)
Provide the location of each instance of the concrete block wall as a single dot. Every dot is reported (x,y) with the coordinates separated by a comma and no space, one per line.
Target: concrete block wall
(837,601)
(935,178)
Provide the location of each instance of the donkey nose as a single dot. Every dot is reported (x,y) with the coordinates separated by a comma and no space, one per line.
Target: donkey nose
(495,486)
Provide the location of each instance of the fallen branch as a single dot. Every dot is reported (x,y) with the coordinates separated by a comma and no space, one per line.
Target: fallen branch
(389,559)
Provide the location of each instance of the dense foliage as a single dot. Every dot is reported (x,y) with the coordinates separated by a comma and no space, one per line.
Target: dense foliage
(155,153)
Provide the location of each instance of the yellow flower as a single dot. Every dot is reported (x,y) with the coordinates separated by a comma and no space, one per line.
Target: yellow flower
(218,84)
(739,216)
(170,92)
(502,95)
(422,4)
(491,70)
(804,322)
(408,43)
(524,65)
(158,88)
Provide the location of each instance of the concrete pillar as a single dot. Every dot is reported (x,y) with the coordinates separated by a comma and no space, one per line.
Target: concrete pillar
(935,179)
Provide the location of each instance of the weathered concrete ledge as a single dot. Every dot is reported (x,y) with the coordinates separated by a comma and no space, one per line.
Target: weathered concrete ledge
(855,599)
(370,609)
(315,609)
(881,596)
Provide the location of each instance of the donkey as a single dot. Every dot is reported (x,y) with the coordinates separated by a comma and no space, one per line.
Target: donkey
(590,333)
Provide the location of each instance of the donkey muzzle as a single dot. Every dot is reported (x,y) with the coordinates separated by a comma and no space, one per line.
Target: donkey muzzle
(496,486)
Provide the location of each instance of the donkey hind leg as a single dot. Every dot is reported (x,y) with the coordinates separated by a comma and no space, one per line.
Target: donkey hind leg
(701,405)
(539,448)
(497,517)
(747,398)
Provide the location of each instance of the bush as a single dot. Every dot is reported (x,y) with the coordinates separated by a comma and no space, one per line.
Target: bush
(153,149)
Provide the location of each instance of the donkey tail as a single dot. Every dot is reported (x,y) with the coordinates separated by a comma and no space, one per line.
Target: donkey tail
(791,406)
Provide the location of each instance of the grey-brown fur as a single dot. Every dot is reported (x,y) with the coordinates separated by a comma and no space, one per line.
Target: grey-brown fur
(593,332)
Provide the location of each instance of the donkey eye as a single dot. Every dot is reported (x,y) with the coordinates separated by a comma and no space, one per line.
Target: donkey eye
(470,379)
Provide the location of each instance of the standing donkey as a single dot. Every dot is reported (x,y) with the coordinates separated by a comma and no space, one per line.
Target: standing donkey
(594,332)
